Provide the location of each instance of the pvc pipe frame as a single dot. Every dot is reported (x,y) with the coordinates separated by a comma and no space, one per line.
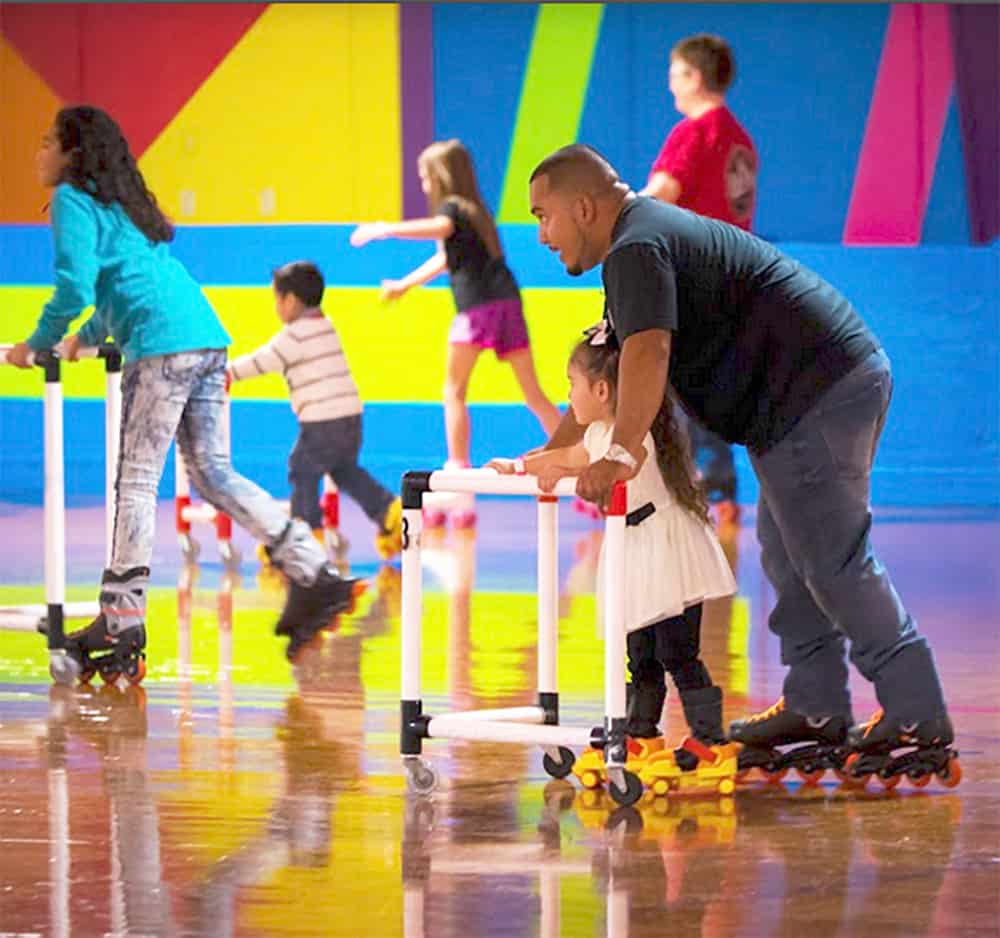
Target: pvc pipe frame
(519,724)
(55,494)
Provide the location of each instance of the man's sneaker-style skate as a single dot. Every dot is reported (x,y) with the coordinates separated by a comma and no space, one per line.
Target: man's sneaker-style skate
(927,746)
(114,644)
(816,743)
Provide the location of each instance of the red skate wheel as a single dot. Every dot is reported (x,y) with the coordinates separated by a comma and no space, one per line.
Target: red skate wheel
(810,778)
(139,673)
(775,776)
(87,675)
(849,773)
(889,783)
(952,773)
(921,781)
(110,677)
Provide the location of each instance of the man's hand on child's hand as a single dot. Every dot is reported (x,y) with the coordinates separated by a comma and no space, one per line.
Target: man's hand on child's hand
(373,231)
(393,289)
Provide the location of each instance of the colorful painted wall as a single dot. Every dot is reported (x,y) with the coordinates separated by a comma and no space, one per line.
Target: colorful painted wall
(267,131)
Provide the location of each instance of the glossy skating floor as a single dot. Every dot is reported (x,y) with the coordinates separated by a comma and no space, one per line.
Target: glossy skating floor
(237,797)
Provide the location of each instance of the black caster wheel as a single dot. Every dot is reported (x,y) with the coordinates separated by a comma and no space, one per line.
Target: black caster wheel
(563,766)
(630,794)
(421,777)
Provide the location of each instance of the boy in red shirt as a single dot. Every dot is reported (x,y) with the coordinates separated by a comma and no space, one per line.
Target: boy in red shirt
(707,165)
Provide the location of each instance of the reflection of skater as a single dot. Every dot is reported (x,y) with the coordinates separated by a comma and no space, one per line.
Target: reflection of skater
(112,252)
(325,399)
(708,165)
(673,561)
(486,294)
(298,831)
(115,723)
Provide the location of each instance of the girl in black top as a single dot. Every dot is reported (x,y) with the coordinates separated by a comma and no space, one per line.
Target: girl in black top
(486,294)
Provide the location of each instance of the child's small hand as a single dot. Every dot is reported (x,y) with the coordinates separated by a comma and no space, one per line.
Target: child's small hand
(393,289)
(548,477)
(19,355)
(69,348)
(374,231)
(504,466)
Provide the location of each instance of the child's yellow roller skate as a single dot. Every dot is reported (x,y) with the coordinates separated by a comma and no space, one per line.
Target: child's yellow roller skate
(694,766)
(704,761)
(592,773)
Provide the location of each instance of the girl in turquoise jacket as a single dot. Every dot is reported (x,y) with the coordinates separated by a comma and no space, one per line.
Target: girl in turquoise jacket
(112,257)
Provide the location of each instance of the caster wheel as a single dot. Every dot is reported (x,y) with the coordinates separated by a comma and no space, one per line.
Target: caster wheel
(631,793)
(421,777)
(63,669)
(562,767)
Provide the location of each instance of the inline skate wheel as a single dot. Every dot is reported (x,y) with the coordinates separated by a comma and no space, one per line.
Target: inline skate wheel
(951,774)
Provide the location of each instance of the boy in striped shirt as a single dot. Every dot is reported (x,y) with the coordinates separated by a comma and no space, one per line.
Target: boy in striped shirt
(325,399)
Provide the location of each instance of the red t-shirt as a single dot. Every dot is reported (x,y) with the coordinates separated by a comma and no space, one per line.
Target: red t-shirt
(713,159)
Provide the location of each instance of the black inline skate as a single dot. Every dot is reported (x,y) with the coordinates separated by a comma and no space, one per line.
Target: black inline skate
(927,752)
(814,744)
(114,644)
(317,593)
(311,609)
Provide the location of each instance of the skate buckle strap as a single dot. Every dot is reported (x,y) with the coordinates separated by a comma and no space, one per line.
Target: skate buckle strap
(635,518)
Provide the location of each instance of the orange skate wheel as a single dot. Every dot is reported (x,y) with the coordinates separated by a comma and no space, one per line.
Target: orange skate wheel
(140,672)
(952,773)
(810,778)
(851,777)
(890,783)
(921,781)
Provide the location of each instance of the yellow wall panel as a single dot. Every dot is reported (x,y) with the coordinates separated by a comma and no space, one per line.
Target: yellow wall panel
(299,123)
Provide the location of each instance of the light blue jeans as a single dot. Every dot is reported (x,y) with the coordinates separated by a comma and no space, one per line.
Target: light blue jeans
(814,525)
(183,396)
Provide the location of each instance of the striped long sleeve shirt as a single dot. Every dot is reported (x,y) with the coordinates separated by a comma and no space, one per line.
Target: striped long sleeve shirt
(309,355)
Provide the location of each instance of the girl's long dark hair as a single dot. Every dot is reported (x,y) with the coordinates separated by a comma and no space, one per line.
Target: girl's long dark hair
(448,165)
(102,165)
(673,449)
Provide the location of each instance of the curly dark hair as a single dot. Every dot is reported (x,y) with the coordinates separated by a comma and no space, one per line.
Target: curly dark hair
(102,165)
(673,449)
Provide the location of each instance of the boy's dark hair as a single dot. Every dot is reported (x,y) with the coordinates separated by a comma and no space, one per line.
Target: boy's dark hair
(302,279)
(712,57)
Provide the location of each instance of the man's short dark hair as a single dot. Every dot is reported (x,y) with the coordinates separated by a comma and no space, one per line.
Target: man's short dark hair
(579,165)
(302,279)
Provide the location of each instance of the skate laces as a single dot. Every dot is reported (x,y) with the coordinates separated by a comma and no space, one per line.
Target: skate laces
(873,721)
(777,707)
